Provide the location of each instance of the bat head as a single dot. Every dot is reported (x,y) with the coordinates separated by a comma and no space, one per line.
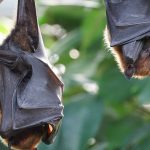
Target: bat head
(138,69)
(141,67)
(131,69)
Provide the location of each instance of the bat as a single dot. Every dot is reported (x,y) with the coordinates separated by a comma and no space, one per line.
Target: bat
(30,92)
(127,33)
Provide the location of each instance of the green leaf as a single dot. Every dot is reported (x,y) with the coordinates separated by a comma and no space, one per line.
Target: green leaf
(82,119)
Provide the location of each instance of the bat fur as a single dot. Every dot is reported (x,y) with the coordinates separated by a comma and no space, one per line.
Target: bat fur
(142,65)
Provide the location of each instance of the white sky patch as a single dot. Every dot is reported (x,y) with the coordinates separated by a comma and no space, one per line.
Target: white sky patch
(8,8)
(85,3)
(2,37)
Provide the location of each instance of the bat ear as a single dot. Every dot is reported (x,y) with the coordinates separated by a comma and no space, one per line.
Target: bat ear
(26,24)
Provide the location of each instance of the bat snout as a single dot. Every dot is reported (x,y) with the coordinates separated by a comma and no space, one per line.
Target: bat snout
(130,71)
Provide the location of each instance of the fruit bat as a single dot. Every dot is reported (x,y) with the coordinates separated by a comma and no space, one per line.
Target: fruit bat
(128,33)
(30,92)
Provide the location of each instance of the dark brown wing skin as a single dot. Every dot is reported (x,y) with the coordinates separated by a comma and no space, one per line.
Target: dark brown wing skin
(142,64)
(25,140)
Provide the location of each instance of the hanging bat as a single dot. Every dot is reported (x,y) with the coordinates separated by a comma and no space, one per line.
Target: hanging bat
(128,34)
(30,93)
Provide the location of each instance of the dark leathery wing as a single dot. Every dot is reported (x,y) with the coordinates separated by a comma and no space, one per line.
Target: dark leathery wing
(30,91)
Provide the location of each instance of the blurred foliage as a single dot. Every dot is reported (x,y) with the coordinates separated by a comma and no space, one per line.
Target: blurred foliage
(103,110)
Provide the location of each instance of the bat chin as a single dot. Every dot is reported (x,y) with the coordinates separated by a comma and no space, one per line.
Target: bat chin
(28,139)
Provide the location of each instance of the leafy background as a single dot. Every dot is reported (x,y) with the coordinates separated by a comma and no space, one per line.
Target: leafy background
(103,110)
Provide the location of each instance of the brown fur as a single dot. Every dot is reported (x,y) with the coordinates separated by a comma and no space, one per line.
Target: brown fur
(25,40)
(28,139)
(142,65)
